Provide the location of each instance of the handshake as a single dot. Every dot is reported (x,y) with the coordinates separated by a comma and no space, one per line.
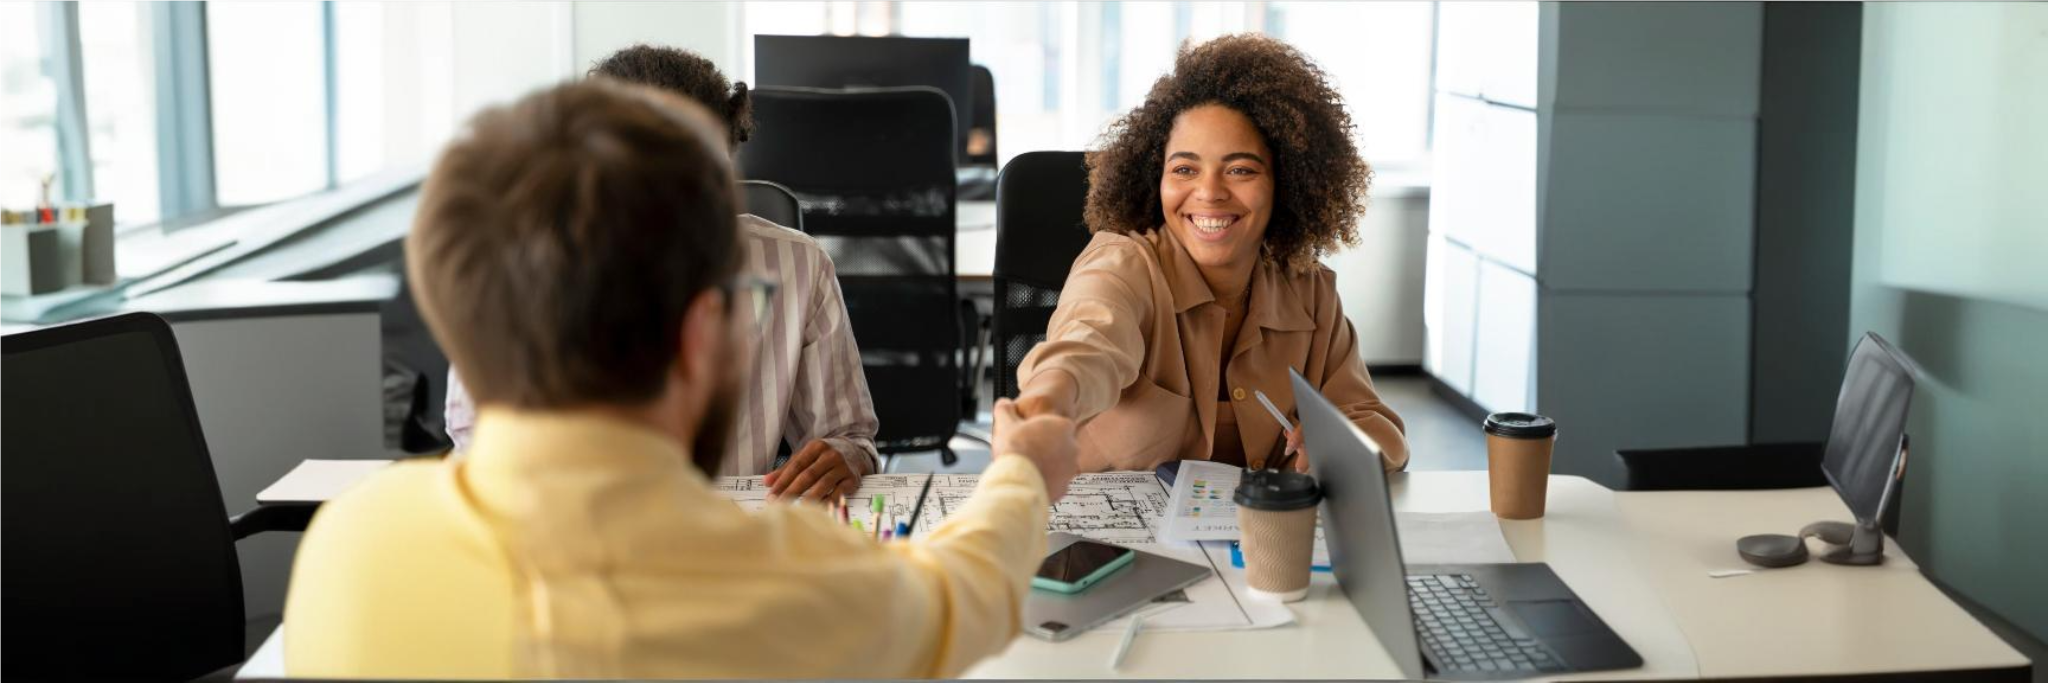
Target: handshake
(1044,438)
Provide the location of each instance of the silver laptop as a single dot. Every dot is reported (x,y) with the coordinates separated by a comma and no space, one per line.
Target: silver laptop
(1457,622)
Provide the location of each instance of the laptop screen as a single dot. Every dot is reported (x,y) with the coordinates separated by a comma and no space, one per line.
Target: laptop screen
(1870,416)
(1358,523)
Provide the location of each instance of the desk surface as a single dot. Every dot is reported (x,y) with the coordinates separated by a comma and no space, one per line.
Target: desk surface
(1579,538)
(974,240)
(1639,559)
(1812,619)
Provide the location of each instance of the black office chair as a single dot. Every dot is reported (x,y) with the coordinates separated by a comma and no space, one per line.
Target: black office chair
(1039,232)
(984,117)
(121,558)
(873,169)
(773,202)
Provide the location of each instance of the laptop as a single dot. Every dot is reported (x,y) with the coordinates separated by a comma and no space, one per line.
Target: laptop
(1450,622)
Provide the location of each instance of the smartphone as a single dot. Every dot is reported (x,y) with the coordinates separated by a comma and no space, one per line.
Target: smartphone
(1076,567)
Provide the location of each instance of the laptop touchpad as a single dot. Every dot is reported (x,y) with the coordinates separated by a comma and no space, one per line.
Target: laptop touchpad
(1551,618)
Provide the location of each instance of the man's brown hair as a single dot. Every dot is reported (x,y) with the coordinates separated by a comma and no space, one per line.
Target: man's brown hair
(560,239)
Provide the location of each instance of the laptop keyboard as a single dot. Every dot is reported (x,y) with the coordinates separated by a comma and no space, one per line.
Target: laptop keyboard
(1460,633)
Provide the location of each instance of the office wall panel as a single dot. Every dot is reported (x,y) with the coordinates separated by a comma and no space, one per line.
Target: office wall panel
(1453,340)
(1381,280)
(1504,348)
(1648,202)
(1640,371)
(1504,352)
(1510,64)
(1679,57)
(1507,202)
(1460,169)
(271,392)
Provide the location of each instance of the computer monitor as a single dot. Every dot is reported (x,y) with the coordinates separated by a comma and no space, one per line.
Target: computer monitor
(867,62)
(1870,422)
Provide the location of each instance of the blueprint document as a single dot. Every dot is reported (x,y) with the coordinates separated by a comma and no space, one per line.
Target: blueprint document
(1121,508)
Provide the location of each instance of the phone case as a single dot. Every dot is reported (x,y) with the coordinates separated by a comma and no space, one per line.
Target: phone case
(1086,581)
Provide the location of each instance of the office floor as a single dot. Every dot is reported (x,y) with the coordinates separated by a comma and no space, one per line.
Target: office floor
(1439,437)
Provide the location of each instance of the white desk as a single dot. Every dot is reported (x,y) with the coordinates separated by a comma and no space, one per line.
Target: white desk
(1580,539)
(1640,560)
(1814,619)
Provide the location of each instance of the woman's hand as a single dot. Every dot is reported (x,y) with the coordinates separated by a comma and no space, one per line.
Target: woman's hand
(1050,393)
(1297,449)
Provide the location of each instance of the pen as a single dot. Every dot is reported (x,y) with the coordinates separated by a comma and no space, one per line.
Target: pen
(1116,661)
(1285,426)
(1275,410)
(1131,634)
(919,508)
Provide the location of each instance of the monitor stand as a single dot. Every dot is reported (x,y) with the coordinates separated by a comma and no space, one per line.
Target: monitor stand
(1859,544)
(1862,543)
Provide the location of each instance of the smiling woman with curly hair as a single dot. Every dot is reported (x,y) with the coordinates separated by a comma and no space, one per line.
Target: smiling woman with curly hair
(1211,203)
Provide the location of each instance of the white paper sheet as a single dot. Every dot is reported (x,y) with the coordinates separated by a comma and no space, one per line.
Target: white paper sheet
(1201,507)
(1452,538)
(317,481)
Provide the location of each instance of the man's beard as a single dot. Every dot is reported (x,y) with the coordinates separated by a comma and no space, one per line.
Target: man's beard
(714,434)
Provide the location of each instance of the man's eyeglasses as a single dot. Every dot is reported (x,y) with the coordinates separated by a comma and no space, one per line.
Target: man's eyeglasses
(758,294)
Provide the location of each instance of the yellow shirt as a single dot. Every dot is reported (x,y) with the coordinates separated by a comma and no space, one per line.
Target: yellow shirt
(570,545)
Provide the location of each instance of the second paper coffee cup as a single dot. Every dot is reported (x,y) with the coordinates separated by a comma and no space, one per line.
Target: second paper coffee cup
(1518,463)
(1277,513)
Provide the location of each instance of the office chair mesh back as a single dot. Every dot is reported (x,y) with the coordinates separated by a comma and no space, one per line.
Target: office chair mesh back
(773,202)
(873,171)
(1039,233)
(120,561)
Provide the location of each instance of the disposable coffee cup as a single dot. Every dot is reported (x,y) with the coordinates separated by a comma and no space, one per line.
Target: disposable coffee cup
(1277,513)
(1518,463)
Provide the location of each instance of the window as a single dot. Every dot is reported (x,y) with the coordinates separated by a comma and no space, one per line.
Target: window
(120,96)
(28,108)
(267,69)
(394,85)
(1019,43)
(1378,54)
(1065,70)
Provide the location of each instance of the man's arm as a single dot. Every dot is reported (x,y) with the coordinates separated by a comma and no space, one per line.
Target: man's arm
(829,401)
(985,554)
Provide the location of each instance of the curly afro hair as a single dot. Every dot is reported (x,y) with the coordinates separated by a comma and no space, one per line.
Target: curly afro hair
(1318,177)
(690,75)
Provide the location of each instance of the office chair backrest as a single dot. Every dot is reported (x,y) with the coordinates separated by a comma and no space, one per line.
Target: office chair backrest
(773,202)
(874,171)
(1039,232)
(120,562)
(984,117)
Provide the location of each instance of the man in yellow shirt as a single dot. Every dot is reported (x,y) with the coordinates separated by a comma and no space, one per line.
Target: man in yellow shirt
(576,254)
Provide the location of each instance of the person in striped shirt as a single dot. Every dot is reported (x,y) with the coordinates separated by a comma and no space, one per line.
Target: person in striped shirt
(807,387)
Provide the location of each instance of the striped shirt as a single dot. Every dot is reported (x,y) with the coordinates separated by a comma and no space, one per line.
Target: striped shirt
(807,383)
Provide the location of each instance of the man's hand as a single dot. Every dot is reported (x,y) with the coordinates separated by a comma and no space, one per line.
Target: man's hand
(818,473)
(1047,440)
